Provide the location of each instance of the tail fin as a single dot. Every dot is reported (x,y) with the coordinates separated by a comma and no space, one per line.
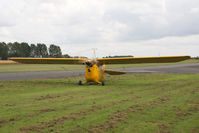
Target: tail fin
(94,54)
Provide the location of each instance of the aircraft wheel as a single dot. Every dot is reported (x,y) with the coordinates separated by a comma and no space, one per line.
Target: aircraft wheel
(80,82)
(103,83)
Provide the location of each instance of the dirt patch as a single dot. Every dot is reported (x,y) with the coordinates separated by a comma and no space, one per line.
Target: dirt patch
(159,101)
(31,128)
(194,90)
(7,62)
(180,114)
(131,110)
(96,130)
(163,99)
(194,108)
(164,126)
(164,131)
(195,130)
(12,119)
(112,122)
(87,111)
(10,104)
(1,86)
(76,131)
(3,121)
(171,122)
(47,124)
(46,97)
(37,128)
(123,101)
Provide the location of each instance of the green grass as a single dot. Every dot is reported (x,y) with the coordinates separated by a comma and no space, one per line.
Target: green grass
(62,67)
(130,103)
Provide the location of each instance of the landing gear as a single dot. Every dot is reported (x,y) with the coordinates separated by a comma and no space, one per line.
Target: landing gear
(80,82)
(103,83)
(83,83)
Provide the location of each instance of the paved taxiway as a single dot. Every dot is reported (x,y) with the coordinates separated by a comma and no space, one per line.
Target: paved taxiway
(169,69)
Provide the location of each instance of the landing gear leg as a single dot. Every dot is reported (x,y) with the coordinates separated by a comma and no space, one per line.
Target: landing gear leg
(103,83)
(82,83)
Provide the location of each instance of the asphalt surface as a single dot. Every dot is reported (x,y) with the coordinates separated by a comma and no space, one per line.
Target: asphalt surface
(170,69)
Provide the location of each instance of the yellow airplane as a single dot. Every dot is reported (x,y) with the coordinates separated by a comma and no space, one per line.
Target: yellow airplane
(95,68)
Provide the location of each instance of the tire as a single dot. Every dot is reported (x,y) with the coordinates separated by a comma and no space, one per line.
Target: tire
(80,82)
(103,83)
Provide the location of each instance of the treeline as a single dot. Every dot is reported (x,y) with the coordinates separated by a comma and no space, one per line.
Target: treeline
(23,49)
(197,57)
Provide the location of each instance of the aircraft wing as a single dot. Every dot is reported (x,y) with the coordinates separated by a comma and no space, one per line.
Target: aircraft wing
(50,60)
(135,60)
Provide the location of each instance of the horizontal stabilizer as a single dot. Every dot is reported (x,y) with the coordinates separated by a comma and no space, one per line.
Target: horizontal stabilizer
(111,72)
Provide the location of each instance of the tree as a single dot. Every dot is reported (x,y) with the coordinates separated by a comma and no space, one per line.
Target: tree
(3,51)
(55,51)
(24,50)
(66,56)
(14,49)
(42,50)
(18,49)
(10,51)
(33,50)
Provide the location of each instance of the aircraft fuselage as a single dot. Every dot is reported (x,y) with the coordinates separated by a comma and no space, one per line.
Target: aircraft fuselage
(94,73)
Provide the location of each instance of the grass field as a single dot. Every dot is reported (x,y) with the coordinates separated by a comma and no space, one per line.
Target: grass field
(127,104)
(61,67)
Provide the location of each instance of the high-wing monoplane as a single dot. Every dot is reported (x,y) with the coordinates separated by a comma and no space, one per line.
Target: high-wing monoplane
(95,68)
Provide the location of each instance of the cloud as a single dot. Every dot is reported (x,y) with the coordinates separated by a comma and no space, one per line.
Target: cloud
(93,23)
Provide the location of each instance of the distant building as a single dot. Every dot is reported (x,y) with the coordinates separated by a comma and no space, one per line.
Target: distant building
(118,56)
(79,57)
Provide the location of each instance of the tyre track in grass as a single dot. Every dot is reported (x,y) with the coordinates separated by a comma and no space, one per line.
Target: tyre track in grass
(113,119)
(121,116)
(73,116)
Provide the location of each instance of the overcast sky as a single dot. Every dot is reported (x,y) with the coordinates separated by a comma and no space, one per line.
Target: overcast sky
(114,27)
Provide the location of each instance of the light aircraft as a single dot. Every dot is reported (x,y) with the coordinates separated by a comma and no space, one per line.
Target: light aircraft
(95,68)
